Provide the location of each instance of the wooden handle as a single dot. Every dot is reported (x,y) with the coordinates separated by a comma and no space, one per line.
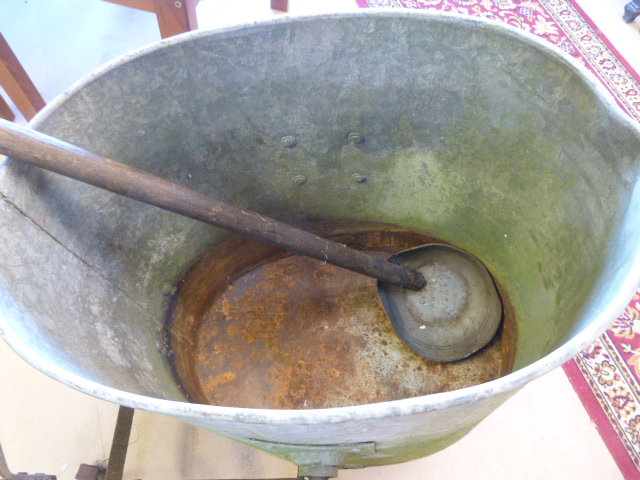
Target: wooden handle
(71,161)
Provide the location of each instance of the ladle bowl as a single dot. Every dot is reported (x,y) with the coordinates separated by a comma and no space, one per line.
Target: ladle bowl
(455,315)
(476,134)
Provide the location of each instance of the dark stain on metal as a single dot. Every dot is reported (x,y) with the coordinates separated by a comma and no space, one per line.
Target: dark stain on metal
(253,326)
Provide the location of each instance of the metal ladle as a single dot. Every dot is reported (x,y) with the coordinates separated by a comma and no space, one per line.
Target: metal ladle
(442,302)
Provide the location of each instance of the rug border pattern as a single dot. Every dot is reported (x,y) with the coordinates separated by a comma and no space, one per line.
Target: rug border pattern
(607,387)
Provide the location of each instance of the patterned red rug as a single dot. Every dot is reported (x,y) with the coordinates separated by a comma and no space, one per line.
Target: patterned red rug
(606,375)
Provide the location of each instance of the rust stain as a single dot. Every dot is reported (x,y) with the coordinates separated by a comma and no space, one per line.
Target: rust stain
(256,327)
(222,379)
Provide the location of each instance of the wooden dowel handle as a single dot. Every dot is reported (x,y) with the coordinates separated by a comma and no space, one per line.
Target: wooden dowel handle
(71,161)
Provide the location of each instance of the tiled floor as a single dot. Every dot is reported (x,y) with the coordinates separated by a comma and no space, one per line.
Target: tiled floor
(541,433)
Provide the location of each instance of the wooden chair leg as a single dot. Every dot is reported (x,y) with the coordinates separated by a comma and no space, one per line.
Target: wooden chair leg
(280,5)
(5,111)
(15,81)
(176,16)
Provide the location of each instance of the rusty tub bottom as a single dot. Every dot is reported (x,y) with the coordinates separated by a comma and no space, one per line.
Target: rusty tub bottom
(253,326)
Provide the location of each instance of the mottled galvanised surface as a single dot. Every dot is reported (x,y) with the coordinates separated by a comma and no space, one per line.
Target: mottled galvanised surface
(472,133)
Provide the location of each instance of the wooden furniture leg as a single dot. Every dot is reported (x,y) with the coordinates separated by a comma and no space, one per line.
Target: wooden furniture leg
(280,5)
(17,84)
(174,16)
(5,111)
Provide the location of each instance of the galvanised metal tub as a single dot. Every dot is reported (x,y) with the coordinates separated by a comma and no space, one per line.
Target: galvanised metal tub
(463,129)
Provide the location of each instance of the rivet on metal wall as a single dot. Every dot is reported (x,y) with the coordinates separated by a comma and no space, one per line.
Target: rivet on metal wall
(299,179)
(359,178)
(289,141)
(178,4)
(162,347)
(355,138)
(169,290)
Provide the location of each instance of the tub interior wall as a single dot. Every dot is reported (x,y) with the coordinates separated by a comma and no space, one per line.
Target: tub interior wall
(493,146)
